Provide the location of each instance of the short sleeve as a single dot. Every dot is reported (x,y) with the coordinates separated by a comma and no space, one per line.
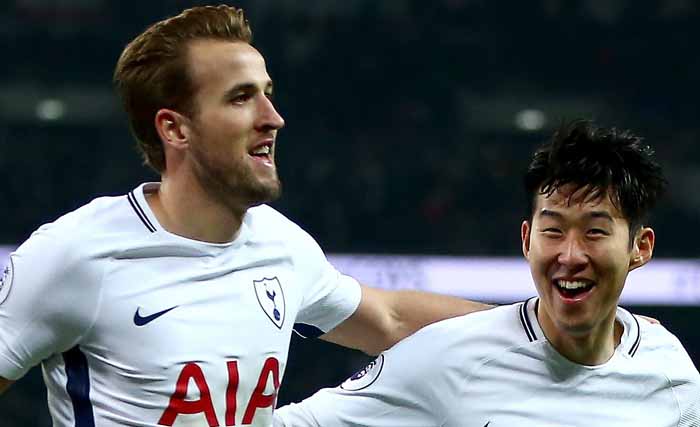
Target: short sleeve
(403,387)
(668,354)
(329,297)
(48,299)
(685,381)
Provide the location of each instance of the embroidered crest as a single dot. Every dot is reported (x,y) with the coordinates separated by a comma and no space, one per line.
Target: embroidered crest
(6,280)
(271,298)
(365,376)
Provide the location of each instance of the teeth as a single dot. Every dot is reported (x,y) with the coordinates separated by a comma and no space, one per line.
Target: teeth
(264,149)
(572,284)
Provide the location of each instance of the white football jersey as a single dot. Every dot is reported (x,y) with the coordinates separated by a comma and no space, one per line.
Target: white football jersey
(135,326)
(496,369)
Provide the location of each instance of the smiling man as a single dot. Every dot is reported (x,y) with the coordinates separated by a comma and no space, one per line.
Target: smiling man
(580,248)
(570,357)
(174,305)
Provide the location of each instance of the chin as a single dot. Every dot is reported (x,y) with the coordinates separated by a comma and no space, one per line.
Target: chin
(575,328)
(264,194)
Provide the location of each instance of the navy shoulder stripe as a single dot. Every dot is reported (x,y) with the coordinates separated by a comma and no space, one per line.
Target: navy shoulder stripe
(139,212)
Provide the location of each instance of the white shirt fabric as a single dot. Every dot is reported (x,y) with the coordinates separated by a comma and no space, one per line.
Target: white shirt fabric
(135,326)
(496,368)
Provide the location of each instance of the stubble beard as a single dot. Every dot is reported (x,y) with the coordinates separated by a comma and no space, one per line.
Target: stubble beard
(235,185)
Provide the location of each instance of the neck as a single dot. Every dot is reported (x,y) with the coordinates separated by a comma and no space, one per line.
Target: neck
(185,208)
(591,348)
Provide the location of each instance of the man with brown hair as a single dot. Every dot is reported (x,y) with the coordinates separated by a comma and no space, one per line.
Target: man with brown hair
(174,305)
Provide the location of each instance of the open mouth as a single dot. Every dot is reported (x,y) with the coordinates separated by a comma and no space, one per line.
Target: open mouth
(262,152)
(573,289)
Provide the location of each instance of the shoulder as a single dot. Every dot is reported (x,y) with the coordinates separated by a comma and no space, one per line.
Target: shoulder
(265,217)
(267,223)
(470,340)
(663,350)
(73,225)
(499,324)
(77,235)
(437,361)
(58,271)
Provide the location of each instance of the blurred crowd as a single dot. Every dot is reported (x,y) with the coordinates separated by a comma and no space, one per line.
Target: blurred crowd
(407,121)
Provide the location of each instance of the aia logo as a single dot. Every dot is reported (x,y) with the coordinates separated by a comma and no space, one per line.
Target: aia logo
(271,299)
(193,382)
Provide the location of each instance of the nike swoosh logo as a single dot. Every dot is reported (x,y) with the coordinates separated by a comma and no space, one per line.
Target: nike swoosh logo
(487,424)
(144,320)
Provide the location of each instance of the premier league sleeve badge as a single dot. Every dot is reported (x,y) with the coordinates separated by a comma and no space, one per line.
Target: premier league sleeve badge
(6,276)
(365,376)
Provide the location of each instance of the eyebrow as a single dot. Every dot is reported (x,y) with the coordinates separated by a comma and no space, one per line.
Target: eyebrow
(593,215)
(247,87)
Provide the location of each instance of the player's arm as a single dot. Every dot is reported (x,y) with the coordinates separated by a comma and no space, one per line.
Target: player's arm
(33,327)
(341,311)
(4,384)
(383,318)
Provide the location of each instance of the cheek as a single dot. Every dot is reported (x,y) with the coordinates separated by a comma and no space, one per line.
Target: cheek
(614,262)
(542,255)
(542,248)
(225,121)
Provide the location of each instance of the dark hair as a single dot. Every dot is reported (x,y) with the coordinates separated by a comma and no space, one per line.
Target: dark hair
(598,161)
(152,71)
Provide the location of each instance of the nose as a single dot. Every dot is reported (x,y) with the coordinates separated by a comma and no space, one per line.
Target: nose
(573,254)
(268,117)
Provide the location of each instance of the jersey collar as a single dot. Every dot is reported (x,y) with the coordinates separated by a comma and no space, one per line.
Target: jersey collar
(137,199)
(629,342)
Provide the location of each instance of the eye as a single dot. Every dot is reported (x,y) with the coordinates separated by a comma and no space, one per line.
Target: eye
(551,231)
(241,98)
(270,95)
(598,232)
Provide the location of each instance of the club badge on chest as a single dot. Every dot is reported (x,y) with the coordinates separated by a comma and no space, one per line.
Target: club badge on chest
(271,298)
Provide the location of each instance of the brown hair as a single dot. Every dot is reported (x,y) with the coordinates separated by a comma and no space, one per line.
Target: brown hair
(152,70)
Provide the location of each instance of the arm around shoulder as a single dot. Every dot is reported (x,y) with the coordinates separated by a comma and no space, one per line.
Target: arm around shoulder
(383,318)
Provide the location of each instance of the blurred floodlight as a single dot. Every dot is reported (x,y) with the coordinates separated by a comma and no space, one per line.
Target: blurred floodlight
(530,120)
(50,109)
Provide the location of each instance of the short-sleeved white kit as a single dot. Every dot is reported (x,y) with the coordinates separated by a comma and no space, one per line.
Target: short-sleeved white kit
(497,369)
(136,326)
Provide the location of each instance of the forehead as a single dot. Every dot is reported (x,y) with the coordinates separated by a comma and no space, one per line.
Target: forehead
(569,202)
(220,63)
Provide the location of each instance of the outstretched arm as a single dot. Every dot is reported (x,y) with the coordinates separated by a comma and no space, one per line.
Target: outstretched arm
(383,318)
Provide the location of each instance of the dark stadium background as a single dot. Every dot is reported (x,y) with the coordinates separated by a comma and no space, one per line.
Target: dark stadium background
(408,124)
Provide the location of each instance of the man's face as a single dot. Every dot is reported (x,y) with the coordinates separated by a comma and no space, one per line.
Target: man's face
(579,256)
(233,131)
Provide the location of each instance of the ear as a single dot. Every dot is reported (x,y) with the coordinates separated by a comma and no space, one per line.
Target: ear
(525,238)
(643,248)
(173,128)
